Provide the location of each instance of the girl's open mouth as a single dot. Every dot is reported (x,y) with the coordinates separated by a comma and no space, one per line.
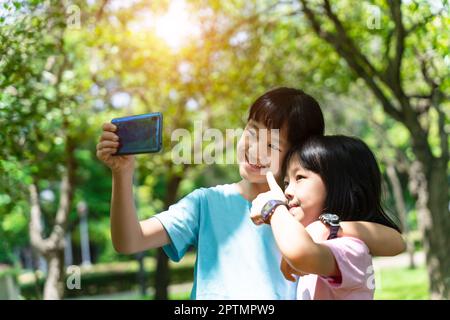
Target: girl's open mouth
(293,207)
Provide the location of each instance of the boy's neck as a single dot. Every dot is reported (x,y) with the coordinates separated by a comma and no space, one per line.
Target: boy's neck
(251,190)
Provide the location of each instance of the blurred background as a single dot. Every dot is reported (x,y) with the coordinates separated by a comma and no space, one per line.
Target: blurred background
(380,70)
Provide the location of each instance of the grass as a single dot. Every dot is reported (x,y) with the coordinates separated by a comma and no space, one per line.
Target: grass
(391,284)
(401,284)
(135,296)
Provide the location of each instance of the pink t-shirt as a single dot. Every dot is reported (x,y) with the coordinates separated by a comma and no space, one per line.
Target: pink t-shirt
(356,281)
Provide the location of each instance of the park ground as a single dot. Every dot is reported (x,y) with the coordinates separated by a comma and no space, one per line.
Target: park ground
(393,277)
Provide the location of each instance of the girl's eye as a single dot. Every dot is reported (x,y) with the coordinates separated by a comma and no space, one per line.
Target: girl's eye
(299,177)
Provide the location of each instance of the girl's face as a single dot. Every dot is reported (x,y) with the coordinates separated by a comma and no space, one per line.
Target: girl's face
(260,150)
(306,193)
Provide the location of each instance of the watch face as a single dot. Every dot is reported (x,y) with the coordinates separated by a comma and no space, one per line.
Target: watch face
(269,207)
(330,218)
(266,210)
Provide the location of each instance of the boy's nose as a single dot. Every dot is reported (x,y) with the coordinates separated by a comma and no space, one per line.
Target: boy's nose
(258,155)
(253,155)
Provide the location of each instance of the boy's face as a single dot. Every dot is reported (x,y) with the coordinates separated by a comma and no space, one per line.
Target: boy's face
(261,150)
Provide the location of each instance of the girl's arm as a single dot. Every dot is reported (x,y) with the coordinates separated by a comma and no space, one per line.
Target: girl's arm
(381,240)
(298,248)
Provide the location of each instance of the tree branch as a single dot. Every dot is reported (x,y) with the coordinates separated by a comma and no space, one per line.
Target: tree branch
(388,44)
(35,224)
(347,50)
(342,33)
(57,236)
(394,65)
(443,134)
(100,11)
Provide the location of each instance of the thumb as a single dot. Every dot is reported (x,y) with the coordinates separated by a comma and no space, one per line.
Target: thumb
(273,185)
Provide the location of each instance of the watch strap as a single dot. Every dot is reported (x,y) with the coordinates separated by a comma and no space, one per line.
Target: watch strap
(333,232)
(269,208)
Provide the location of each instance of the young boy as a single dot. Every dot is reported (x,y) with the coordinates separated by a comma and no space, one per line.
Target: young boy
(235,259)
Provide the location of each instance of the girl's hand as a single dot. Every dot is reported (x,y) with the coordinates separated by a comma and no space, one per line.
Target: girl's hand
(109,142)
(288,271)
(275,193)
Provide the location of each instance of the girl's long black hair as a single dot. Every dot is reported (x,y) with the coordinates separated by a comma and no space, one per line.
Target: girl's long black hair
(350,173)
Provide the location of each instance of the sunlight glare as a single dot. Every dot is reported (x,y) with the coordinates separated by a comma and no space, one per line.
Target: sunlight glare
(176,26)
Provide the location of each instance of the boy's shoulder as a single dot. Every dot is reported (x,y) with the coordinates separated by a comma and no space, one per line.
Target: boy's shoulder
(219,190)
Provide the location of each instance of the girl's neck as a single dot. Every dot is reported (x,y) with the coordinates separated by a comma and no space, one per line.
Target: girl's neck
(250,190)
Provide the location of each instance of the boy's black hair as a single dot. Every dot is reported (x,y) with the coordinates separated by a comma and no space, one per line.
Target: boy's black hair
(350,173)
(292,107)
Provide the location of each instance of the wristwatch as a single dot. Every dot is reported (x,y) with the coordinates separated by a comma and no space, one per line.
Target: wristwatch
(269,209)
(331,220)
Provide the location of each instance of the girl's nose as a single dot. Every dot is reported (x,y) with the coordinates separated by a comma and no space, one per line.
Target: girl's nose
(288,192)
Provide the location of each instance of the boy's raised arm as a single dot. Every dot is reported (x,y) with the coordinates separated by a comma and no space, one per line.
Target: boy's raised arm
(127,233)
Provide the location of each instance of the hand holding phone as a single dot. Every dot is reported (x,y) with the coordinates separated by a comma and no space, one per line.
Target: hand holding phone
(114,148)
(109,142)
(139,134)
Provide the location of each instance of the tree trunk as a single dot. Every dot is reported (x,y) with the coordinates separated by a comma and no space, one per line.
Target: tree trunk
(438,235)
(162,275)
(162,279)
(431,187)
(141,274)
(54,283)
(52,248)
(401,210)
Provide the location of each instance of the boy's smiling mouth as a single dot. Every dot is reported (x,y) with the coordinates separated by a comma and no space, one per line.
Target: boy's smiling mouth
(254,167)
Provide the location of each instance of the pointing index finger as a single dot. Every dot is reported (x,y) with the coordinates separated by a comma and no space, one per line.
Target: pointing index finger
(273,185)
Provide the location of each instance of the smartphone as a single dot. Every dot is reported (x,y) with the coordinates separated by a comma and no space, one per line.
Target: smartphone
(139,134)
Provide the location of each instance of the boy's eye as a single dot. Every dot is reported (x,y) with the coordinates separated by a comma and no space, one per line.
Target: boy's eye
(274,147)
(285,183)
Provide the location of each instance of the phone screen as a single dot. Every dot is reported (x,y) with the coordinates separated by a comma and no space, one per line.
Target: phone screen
(139,134)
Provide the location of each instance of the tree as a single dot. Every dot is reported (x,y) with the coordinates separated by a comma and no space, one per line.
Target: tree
(418,104)
(38,100)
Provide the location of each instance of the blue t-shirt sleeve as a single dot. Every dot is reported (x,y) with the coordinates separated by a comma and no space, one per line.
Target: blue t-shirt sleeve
(181,222)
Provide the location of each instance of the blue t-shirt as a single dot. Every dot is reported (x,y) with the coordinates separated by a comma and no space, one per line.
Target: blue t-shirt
(235,258)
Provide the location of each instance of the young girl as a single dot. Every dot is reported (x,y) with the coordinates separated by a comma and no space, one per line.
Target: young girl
(327,175)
